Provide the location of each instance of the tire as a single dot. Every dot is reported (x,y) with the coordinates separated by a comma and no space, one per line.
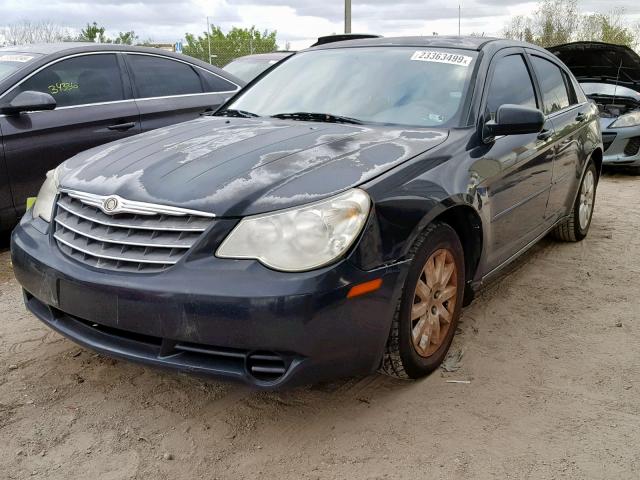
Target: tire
(411,356)
(573,228)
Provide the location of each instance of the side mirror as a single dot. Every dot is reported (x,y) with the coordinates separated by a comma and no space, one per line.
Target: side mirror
(514,120)
(29,101)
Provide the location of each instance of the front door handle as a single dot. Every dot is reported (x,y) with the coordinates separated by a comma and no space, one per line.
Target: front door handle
(122,126)
(545,134)
(581,117)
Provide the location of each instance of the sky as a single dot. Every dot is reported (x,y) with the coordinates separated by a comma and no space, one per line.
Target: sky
(299,22)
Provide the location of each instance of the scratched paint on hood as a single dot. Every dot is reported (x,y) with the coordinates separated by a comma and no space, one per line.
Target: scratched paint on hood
(237,166)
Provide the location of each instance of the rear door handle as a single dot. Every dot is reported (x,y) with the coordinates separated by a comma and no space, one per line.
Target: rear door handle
(581,117)
(545,134)
(122,126)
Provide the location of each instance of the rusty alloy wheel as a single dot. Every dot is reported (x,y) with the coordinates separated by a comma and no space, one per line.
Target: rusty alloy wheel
(434,302)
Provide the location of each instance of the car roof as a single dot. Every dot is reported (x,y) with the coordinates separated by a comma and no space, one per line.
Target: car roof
(461,42)
(265,56)
(47,52)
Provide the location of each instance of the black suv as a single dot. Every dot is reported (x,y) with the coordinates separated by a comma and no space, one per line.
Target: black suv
(59,99)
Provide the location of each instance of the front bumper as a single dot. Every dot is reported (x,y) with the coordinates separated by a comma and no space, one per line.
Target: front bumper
(622,146)
(226,318)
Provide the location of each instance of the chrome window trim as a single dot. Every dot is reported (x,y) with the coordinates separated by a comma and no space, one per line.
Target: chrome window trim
(106,52)
(132,206)
(115,102)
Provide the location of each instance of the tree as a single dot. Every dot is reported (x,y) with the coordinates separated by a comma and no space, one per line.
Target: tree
(93,33)
(126,38)
(226,47)
(26,32)
(555,22)
(607,28)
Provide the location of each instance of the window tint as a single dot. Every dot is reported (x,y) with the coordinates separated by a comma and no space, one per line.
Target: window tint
(554,91)
(161,77)
(79,80)
(511,83)
(214,83)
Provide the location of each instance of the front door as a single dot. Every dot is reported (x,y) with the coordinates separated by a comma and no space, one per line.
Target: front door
(518,167)
(92,109)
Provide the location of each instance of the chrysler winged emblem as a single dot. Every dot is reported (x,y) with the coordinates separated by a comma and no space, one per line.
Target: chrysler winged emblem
(110,204)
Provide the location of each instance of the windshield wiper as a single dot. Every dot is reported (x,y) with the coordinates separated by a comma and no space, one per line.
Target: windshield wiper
(317,117)
(232,112)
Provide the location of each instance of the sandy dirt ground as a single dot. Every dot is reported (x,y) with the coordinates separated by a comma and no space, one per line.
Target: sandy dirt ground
(552,353)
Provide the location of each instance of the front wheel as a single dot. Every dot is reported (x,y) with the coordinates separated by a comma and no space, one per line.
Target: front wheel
(576,226)
(427,313)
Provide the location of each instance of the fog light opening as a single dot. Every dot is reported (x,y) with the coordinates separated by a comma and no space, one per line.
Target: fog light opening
(265,366)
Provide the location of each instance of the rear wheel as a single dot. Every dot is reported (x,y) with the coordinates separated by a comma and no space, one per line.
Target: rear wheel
(576,226)
(427,313)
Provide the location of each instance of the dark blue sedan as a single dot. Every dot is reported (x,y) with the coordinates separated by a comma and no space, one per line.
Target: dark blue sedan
(331,219)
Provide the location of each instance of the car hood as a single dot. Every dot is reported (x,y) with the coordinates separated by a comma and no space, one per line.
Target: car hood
(601,62)
(238,166)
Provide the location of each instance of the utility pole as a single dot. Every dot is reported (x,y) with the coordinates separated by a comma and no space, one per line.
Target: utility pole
(459,16)
(347,16)
(209,39)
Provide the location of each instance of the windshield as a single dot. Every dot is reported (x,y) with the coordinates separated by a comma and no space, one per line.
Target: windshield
(392,85)
(248,69)
(609,90)
(12,61)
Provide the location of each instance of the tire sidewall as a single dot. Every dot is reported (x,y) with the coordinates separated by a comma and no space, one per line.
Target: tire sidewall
(442,236)
(581,233)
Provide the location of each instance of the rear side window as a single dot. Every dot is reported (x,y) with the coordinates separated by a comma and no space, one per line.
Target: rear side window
(214,83)
(163,77)
(511,83)
(79,80)
(552,83)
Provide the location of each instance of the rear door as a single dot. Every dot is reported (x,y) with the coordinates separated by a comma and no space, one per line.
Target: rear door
(519,167)
(93,107)
(7,212)
(561,106)
(170,91)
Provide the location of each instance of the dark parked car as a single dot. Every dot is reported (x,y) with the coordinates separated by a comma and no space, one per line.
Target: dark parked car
(610,76)
(57,100)
(250,66)
(329,228)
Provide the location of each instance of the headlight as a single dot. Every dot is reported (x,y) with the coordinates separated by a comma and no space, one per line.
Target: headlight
(301,238)
(46,196)
(627,120)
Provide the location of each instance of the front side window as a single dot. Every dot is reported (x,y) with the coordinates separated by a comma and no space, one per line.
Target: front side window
(423,87)
(510,84)
(163,77)
(554,90)
(79,80)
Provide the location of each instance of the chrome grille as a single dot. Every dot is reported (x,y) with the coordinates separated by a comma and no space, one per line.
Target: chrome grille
(131,242)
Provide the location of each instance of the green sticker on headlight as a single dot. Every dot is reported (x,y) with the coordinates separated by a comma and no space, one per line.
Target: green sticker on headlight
(31,201)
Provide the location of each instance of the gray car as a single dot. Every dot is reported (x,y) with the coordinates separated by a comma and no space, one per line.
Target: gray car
(57,100)
(249,67)
(610,77)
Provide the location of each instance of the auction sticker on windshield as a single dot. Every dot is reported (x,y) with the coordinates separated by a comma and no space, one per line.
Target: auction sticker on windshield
(442,57)
(15,58)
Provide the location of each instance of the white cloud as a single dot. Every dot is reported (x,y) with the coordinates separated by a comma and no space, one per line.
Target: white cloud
(297,21)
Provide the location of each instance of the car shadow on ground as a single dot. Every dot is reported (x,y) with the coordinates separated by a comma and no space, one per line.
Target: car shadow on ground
(4,241)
